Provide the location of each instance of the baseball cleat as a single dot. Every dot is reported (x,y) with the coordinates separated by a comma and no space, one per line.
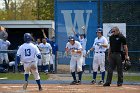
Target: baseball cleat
(106,84)
(73,82)
(119,85)
(46,72)
(78,82)
(100,82)
(93,81)
(25,85)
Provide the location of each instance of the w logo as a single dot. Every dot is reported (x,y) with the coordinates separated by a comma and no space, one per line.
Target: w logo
(76,19)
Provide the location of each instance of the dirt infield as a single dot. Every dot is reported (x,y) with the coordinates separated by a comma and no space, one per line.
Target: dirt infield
(66,88)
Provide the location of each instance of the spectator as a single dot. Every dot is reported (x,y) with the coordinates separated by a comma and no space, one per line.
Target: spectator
(3,33)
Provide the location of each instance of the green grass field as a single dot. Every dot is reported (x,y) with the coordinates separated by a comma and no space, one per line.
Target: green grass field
(20,76)
(126,78)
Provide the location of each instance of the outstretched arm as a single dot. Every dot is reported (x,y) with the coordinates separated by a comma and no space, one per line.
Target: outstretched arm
(43,33)
(91,49)
(75,33)
(84,30)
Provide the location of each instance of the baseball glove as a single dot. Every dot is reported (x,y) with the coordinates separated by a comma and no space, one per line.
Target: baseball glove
(126,65)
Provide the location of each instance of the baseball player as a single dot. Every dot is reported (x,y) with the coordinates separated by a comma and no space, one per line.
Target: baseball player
(54,54)
(3,33)
(83,40)
(46,51)
(54,51)
(26,54)
(4,56)
(75,49)
(99,47)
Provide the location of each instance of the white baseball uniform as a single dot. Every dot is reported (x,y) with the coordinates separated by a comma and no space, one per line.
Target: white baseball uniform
(46,53)
(75,57)
(4,46)
(99,54)
(83,42)
(27,53)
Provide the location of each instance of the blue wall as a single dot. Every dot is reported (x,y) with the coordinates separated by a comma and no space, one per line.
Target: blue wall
(70,14)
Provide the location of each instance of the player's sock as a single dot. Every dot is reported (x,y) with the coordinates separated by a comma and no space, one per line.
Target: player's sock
(51,67)
(94,75)
(42,68)
(22,68)
(103,75)
(83,68)
(46,68)
(38,81)
(26,77)
(80,75)
(73,75)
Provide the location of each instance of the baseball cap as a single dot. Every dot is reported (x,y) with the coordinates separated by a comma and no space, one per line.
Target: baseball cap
(99,30)
(71,38)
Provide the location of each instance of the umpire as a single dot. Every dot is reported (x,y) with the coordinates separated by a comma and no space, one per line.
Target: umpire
(117,41)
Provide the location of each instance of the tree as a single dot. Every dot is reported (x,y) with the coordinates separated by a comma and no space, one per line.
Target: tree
(27,10)
(44,9)
(7,3)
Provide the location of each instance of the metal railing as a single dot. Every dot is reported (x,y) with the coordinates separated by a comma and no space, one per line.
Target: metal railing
(135,58)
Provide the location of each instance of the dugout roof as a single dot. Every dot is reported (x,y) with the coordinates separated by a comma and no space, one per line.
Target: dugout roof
(28,24)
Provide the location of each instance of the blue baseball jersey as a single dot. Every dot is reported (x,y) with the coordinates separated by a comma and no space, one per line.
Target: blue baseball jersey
(53,45)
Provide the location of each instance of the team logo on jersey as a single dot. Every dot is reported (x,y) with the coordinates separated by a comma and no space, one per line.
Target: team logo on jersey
(73,48)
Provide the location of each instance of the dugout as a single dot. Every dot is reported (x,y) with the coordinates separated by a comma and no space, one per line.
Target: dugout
(16,30)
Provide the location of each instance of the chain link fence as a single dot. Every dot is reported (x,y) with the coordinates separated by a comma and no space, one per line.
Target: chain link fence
(126,11)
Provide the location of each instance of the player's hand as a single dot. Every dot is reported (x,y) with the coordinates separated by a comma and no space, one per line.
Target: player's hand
(83,27)
(76,51)
(88,52)
(73,51)
(66,49)
(127,58)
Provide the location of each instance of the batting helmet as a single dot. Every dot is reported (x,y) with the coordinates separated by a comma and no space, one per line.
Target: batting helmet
(126,65)
(71,38)
(27,37)
(99,30)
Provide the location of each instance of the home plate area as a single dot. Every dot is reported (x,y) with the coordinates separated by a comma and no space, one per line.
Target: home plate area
(66,88)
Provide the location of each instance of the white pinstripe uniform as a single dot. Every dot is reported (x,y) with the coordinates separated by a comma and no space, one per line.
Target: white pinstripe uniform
(99,54)
(46,53)
(83,42)
(75,57)
(27,53)
(4,46)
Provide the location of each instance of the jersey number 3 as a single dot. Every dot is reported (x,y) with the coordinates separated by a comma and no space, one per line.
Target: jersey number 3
(27,52)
